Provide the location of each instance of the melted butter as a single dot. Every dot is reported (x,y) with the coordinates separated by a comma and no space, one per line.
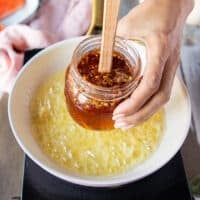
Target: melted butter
(84,151)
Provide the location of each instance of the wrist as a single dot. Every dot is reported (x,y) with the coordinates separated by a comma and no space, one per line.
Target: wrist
(188,5)
(173,13)
(184,7)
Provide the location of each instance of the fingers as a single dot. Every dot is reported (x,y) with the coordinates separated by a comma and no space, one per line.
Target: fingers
(159,99)
(150,83)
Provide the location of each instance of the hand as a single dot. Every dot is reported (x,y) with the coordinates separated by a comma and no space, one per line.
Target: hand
(159,24)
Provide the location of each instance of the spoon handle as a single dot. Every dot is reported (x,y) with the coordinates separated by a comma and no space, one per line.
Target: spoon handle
(111,9)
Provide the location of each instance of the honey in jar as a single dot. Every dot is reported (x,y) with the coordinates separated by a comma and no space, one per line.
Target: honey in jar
(92,96)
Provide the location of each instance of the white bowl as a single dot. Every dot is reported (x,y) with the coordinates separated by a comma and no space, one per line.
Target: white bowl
(57,57)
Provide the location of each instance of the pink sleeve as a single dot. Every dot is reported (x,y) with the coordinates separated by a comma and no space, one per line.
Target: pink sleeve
(14,40)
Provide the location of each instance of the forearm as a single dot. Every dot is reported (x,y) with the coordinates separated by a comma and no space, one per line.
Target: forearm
(187,6)
(167,14)
(183,6)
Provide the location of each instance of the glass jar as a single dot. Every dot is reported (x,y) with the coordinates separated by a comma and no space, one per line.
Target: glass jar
(90,105)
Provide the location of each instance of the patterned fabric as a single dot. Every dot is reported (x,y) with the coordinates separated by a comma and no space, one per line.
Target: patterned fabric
(53,22)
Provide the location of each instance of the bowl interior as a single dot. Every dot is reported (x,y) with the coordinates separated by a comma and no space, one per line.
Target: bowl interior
(57,57)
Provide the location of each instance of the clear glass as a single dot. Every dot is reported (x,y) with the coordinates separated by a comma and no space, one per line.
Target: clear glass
(90,105)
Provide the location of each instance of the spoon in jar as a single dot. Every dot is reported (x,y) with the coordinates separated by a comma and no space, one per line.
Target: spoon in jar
(111,9)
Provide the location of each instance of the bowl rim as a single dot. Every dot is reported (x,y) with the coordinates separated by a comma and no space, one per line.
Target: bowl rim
(76,179)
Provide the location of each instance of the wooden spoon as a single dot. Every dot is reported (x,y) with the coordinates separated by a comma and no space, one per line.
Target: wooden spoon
(111,9)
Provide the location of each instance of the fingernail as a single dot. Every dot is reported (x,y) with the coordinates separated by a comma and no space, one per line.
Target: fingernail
(117,111)
(117,116)
(127,127)
(120,124)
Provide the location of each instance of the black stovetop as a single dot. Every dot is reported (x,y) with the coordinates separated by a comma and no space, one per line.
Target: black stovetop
(168,183)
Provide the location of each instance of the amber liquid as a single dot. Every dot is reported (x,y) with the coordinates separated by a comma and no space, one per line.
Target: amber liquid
(95,119)
(97,115)
(89,116)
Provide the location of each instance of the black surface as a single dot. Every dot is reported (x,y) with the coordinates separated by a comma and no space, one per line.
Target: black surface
(168,183)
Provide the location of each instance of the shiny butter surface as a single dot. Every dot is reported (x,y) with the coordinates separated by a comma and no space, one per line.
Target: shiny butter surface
(83,151)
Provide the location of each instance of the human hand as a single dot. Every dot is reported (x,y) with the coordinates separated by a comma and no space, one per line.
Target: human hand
(159,24)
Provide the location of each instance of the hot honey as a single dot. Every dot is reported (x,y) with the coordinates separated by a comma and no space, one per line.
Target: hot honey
(97,113)
(121,72)
(91,96)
